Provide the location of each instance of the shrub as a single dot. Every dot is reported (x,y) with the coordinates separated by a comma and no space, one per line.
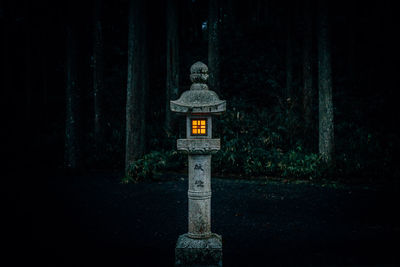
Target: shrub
(152,164)
(258,142)
(297,164)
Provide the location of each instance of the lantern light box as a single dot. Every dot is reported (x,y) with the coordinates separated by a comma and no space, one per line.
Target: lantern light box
(199,126)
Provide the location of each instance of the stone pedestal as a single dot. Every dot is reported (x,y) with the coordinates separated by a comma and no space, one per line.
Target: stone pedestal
(198,252)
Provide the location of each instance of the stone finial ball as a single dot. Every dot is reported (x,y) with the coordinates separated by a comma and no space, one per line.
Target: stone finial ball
(198,67)
(199,72)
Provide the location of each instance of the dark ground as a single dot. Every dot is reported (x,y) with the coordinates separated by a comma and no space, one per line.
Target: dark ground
(94,220)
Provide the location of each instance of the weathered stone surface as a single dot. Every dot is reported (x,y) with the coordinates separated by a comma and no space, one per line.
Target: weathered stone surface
(198,252)
(199,146)
(199,86)
(200,170)
(199,247)
(199,67)
(199,194)
(199,72)
(199,99)
(199,218)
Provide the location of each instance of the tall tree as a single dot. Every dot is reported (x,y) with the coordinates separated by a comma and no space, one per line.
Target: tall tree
(44,75)
(137,83)
(307,68)
(289,52)
(4,47)
(326,130)
(28,64)
(213,45)
(98,78)
(266,13)
(352,51)
(229,12)
(72,94)
(172,61)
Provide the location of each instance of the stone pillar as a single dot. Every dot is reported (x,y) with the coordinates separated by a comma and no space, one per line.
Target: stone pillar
(199,195)
(199,247)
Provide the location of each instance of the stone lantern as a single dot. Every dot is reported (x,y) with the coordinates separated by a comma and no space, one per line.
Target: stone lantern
(199,246)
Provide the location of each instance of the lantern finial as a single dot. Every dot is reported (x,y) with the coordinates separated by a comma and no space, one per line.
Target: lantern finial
(199,76)
(199,99)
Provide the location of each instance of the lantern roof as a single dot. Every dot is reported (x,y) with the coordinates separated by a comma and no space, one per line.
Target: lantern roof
(199,99)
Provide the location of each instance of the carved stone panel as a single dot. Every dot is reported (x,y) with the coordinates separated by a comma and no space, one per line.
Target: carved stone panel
(199,146)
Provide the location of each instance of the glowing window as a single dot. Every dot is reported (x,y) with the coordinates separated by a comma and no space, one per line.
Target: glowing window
(199,127)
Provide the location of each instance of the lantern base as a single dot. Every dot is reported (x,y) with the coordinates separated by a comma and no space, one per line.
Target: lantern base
(198,252)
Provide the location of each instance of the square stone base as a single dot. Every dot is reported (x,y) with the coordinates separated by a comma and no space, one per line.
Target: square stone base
(198,252)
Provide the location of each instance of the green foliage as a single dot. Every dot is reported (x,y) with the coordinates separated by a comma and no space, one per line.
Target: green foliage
(297,164)
(258,143)
(261,141)
(152,164)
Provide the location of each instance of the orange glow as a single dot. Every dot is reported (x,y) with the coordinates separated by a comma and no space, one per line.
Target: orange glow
(199,127)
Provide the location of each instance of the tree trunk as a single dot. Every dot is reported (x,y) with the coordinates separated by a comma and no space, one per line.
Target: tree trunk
(136,84)
(98,79)
(28,63)
(256,12)
(289,56)
(351,55)
(307,70)
(266,13)
(326,130)
(4,42)
(172,62)
(44,82)
(213,46)
(72,143)
(230,21)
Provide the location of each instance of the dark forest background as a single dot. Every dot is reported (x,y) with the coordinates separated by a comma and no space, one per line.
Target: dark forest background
(69,59)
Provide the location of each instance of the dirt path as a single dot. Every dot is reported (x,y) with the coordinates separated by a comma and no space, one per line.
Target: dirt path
(93,220)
